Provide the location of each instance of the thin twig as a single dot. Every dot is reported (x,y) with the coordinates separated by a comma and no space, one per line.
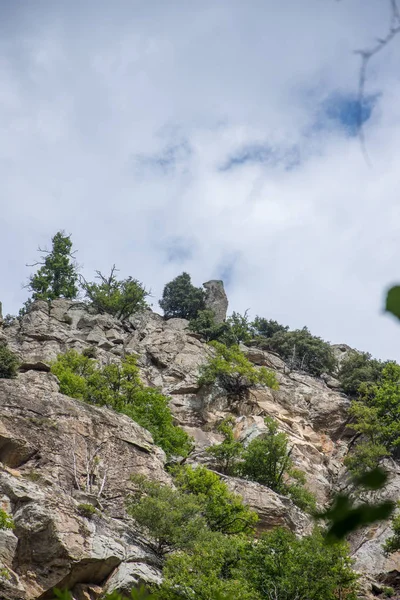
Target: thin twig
(366,55)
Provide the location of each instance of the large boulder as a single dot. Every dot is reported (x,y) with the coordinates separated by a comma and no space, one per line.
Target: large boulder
(273,509)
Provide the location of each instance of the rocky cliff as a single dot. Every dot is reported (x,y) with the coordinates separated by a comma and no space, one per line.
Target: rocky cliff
(49,443)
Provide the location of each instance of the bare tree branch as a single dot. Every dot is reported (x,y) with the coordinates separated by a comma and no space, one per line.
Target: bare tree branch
(366,55)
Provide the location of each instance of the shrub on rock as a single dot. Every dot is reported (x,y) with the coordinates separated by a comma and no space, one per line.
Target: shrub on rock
(230,369)
(8,363)
(119,298)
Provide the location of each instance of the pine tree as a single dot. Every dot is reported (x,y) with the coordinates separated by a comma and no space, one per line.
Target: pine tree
(57,276)
(181,299)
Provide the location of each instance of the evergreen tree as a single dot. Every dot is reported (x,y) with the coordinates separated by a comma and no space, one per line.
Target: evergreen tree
(58,275)
(357,370)
(181,299)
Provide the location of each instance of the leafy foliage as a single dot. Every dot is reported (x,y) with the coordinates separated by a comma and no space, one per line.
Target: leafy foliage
(175,519)
(150,409)
(377,418)
(181,299)
(223,510)
(8,363)
(283,566)
(366,455)
(119,387)
(205,325)
(210,571)
(357,370)
(170,519)
(234,372)
(267,328)
(278,566)
(296,490)
(87,510)
(225,456)
(58,275)
(120,298)
(238,329)
(303,351)
(267,460)
(6,522)
(73,371)
(231,332)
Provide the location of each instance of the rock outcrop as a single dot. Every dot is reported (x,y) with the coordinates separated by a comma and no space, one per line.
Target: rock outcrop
(47,442)
(216,299)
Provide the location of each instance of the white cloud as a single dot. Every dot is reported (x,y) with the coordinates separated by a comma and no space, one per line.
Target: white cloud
(117,117)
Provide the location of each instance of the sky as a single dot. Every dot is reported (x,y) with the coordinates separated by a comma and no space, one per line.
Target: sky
(216,137)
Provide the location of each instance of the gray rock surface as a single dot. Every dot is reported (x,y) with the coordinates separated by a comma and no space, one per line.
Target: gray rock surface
(216,299)
(43,434)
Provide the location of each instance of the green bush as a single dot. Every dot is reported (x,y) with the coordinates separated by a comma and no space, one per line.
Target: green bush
(210,572)
(119,387)
(87,510)
(230,369)
(6,522)
(73,371)
(150,409)
(376,417)
(174,519)
(8,363)
(358,369)
(303,351)
(226,455)
(266,460)
(168,518)
(266,328)
(298,493)
(181,299)
(280,565)
(365,456)
(5,573)
(58,275)
(234,330)
(224,511)
(120,298)
(205,325)
(238,330)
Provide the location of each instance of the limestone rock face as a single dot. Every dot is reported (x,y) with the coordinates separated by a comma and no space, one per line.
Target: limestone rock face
(273,509)
(216,299)
(46,439)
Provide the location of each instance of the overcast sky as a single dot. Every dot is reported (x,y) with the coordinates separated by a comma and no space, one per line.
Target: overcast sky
(215,137)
